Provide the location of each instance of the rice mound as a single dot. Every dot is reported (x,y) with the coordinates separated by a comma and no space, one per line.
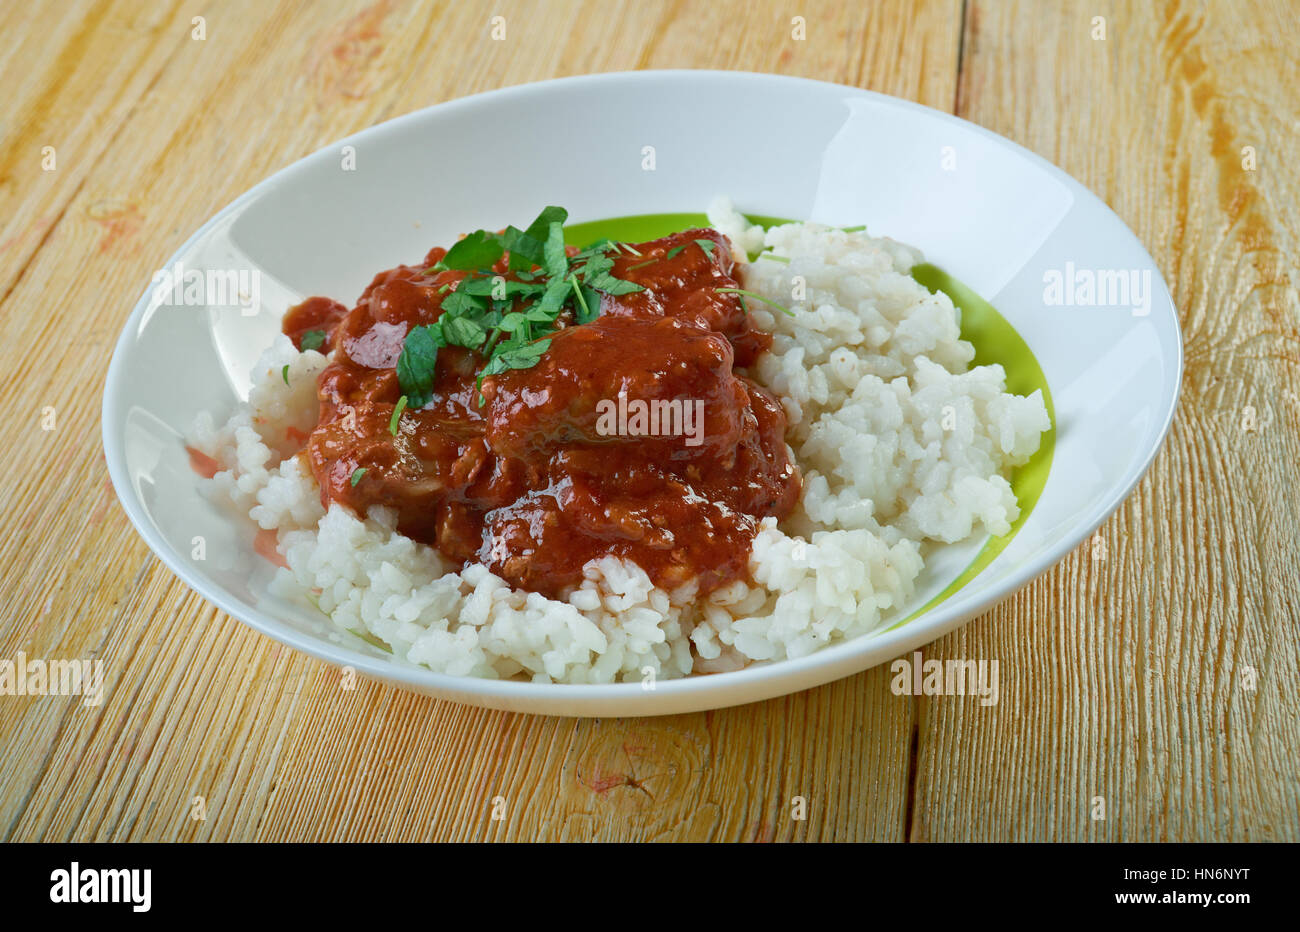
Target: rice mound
(900,442)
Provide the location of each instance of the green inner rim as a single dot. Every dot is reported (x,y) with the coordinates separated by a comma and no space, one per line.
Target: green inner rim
(993,337)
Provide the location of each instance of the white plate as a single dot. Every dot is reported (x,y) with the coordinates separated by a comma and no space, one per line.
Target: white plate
(987,211)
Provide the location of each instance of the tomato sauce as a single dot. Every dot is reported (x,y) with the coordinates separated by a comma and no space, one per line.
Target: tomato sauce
(634,435)
(315,315)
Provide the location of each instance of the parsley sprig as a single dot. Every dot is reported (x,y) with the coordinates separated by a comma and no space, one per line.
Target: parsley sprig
(743,294)
(508,321)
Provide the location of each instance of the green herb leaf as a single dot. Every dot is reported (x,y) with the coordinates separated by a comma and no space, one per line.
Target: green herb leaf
(523,357)
(357,474)
(756,297)
(397,415)
(478,250)
(675,251)
(707,245)
(591,303)
(461,302)
(542,225)
(478,287)
(512,356)
(505,288)
(554,258)
(596,266)
(516,321)
(596,274)
(525,252)
(615,286)
(494,366)
(557,290)
(527,247)
(416,364)
(599,247)
(463,331)
(312,339)
(284,373)
(585,314)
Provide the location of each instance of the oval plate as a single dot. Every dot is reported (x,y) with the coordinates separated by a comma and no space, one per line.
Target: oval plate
(1068,275)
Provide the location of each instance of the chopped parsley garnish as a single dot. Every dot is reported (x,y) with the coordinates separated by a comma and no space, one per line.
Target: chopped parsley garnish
(506,320)
(415,365)
(707,245)
(357,474)
(312,339)
(757,297)
(476,251)
(397,415)
(284,373)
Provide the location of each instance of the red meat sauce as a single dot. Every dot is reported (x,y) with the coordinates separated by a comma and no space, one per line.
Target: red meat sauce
(533,482)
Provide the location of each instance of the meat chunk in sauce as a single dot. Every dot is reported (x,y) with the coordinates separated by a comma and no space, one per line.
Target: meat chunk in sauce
(633,435)
(668,387)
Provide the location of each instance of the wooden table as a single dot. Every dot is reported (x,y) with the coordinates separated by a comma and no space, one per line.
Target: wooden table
(1123,679)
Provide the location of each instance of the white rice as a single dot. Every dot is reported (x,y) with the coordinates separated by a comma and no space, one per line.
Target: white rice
(899,441)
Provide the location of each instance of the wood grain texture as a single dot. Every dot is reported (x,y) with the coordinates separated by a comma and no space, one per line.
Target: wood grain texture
(1121,678)
(1124,676)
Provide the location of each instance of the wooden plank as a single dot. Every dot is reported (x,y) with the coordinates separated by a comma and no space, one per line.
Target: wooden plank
(1123,677)
(73,74)
(199,706)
